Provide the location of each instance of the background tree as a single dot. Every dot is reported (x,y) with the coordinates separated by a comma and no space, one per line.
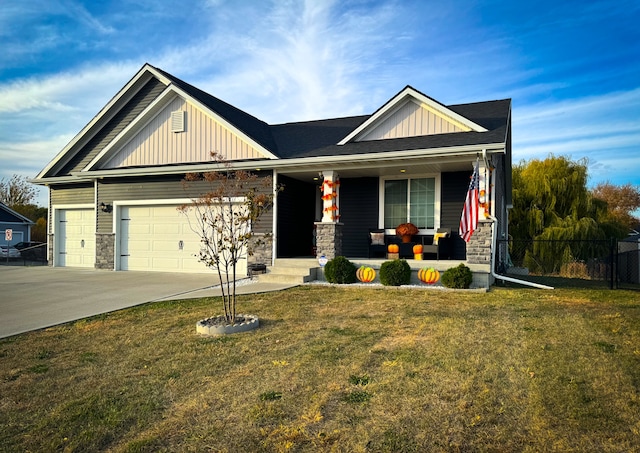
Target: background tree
(551,202)
(224,214)
(621,201)
(16,191)
(39,215)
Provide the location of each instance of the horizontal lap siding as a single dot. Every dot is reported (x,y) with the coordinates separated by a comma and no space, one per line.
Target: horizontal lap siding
(70,195)
(358,213)
(166,188)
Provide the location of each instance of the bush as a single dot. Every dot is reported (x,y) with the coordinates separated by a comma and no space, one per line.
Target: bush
(340,270)
(395,273)
(459,277)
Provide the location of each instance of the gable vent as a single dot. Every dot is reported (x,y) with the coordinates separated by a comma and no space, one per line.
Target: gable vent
(177,121)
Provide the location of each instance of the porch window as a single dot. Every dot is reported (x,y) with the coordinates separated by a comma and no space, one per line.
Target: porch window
(410,200)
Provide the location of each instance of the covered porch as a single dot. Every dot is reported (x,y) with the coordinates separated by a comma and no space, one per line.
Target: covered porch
(308,270)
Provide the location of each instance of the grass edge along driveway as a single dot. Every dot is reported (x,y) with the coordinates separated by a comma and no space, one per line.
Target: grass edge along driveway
(335,369)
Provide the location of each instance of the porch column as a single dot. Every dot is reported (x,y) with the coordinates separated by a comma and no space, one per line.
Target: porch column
(328,239)
(330,197)
(329,230)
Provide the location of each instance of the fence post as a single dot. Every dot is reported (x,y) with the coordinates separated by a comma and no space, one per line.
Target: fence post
(613,247)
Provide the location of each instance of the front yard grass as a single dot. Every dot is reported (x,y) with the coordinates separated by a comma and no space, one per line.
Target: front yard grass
(335,369)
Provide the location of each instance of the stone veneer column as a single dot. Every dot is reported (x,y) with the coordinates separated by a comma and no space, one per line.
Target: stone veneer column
(105,249)
(328,239)
(50,256)
(262,253)
(479,246)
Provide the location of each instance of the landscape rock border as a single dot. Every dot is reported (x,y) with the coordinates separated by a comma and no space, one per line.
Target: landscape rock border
(204,327)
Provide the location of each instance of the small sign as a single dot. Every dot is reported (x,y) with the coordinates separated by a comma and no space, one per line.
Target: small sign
(8,235)
(322,261)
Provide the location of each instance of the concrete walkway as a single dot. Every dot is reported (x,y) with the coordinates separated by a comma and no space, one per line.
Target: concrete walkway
(33,298)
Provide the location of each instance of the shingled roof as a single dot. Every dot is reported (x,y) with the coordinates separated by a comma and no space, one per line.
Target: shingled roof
(250,125)
(321,137)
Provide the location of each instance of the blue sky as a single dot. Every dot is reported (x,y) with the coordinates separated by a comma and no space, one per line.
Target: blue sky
(572,68)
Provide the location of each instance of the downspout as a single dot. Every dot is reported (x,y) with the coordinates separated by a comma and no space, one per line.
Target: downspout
(494,242)
(494,237)
(274,221)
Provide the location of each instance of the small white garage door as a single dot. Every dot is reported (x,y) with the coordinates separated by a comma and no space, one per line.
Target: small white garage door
(76,238)
(159,238)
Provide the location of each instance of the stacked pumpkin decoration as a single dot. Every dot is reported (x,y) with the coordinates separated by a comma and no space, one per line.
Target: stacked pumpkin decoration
(417,251)
(429,275)
(365,274)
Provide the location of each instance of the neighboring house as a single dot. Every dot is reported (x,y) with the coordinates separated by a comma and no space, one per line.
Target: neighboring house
(115,187)
(19,225)
(629,259)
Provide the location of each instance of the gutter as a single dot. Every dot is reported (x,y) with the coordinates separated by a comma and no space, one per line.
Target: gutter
(494,236)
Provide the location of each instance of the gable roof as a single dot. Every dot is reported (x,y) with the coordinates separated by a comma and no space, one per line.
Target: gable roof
(469,126)
(250,125)
(403,97)
(491,116)
(8,215)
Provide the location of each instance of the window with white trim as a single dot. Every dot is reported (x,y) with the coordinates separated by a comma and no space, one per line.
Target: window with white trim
(412,200)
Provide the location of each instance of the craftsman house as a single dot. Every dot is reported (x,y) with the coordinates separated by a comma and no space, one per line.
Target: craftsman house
(113,190)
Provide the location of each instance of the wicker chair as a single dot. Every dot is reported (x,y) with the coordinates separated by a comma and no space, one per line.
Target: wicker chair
(443,245)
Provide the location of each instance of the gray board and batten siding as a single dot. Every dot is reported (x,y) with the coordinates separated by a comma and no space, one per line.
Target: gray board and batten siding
(105,135)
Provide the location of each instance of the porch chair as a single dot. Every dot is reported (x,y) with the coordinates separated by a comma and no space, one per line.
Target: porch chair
(377,243)
(440,243)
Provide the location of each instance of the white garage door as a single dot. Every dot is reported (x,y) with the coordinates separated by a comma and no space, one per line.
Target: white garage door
(76,238)
(159,238)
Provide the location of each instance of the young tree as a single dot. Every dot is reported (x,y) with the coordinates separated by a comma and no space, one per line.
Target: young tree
(224,214)
(621,201)
(16,191)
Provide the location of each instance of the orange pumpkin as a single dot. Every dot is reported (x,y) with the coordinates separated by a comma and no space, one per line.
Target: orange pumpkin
(393,248)
(365,274)
(417,249)
(428,275)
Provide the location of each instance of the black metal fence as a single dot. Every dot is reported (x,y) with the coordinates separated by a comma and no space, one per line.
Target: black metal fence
(597,263)
(29,256)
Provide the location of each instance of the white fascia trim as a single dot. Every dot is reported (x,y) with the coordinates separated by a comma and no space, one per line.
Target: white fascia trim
(58,180)
(128,133)
(421,100)
(6,208)
(19,223)
(148,114)
(227,125)
(123,95)
(306,162)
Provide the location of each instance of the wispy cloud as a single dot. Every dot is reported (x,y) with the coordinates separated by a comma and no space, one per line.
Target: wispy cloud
(606,128)
(290,60)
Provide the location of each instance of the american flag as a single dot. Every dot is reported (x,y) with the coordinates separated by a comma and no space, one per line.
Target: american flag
(469,220)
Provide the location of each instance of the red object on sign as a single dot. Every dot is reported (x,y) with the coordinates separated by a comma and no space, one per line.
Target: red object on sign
(8,235)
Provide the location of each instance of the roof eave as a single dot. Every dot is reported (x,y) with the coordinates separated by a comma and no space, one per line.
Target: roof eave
(143,75)
(309,162)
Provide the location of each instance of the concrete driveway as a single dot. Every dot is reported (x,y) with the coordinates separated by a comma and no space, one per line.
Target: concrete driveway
(36,297)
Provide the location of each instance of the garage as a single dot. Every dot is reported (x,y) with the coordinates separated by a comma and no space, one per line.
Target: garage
(159,238)
(75,236)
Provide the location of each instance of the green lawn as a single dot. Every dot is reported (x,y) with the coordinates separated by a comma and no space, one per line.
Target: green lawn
(336,369)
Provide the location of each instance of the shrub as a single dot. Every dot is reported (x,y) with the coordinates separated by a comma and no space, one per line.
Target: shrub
(459,277)
(340,270)
(395,273)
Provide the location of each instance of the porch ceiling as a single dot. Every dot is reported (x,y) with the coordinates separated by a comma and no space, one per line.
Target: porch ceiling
(377,168)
